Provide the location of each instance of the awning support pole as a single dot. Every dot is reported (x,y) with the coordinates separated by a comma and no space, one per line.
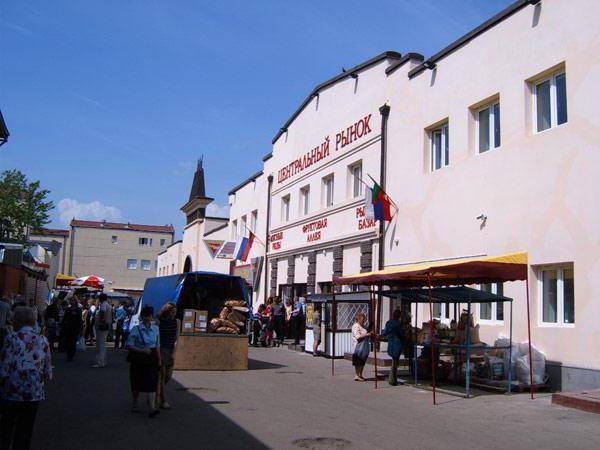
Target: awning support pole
(510,349)
(333,325)
(529,337)
(431,337)
(375,315)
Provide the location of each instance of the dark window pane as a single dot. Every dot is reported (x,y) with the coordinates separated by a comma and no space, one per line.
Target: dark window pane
(485,311)
(561,99)
(447,146)
(497,125)
(569,295)
(549,302)
(437,310)
(542,92)
(484,130)
(437,150)
(500,311)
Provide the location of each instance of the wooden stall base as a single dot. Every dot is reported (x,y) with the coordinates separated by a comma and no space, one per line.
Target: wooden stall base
(212,352)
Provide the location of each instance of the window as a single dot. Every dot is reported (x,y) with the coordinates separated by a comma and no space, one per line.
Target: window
(557,290)
(243,226)
(325,287)
(234,230)
(172,269)
(441,311)
(114,239)
(488,122)
(440,150)
(492,311)
(285,208)
(304,200)
(162,242)
(327,196)
(146,264)
(145,241)
(550,101)
(132,264)
(356,184)
(253,220)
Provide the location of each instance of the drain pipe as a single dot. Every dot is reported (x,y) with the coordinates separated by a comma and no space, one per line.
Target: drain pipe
(385,112)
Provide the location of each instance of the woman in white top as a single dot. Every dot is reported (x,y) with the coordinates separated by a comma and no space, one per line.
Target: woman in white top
(360,354)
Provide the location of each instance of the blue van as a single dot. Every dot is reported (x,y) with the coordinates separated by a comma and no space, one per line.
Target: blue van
(205,291)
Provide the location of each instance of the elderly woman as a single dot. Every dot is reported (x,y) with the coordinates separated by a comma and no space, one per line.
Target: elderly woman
(169,327)
(25,365)
(360,345)
(144,360)
(394,333)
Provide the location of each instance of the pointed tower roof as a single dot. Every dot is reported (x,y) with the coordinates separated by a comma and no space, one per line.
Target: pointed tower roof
(198,189)
(196,205)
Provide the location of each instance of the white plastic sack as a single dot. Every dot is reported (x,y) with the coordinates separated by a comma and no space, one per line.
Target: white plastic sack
(80,344)
(538,360)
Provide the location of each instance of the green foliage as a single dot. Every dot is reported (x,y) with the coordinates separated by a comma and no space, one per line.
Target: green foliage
(23,206)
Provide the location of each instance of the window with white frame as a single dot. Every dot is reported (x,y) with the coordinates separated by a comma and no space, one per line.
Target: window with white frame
(132,264)
(243,225)
(285,208)
(440,147)
(234,230)
(488,127)
(492,311)
(356,185)
(304,200)
(550,101)
(114,239)
(145,242)
(146,264)
(557,289)
(327,196)
(253,220)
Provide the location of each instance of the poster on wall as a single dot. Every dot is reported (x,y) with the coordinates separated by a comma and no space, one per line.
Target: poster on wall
(226,251)
(213,246)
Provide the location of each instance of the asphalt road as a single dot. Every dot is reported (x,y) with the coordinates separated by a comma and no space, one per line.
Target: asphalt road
(290,400)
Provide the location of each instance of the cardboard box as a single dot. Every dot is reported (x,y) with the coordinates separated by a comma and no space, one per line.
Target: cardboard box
(189,320)
(201,322)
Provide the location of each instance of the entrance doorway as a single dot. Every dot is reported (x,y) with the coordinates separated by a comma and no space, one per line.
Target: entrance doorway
(187,266)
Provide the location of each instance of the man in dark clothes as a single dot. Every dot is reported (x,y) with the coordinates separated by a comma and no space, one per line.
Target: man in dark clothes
(51,318)
(71,327)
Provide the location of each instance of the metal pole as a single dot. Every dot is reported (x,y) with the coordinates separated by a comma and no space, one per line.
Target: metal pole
(468,334)
(333,325)
(375,314)
(415,337)
(431,338)
(529,337)
(510,349)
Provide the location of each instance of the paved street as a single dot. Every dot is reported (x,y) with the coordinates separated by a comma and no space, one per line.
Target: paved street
(289,400)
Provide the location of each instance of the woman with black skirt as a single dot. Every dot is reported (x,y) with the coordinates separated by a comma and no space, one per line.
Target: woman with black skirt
(144,360)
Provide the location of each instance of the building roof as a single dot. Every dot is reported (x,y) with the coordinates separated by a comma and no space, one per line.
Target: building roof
(348,73)
(50,232)
(3,130)
(198,187)
(214,230)
(493,21)
(245,182)
(122,226)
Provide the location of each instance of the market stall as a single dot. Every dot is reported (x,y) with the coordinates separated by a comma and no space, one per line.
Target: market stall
(213,309)
(453,272)
(347,305)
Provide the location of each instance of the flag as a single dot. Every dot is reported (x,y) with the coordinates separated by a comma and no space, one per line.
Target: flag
(381,203)
(243,247)
(369,211)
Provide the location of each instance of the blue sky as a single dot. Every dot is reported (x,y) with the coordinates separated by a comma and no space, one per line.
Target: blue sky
(110,103)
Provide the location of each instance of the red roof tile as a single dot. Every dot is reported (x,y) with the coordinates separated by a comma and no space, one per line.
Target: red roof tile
(50,232)
(122,226)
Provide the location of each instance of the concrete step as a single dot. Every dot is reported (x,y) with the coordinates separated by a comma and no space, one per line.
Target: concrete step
(383,359)
(296,347)
(584,400)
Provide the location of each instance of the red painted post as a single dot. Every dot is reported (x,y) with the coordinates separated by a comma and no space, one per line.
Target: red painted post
(333,325)
(432,338)
(529,337)
(374,302)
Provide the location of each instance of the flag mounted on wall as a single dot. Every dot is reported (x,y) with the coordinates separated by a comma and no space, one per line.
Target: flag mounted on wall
(378,205)
(244,246)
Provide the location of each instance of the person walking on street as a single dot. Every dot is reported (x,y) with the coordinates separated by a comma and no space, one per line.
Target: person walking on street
(278,318)
(298,320)
(144,360)
(316,327)
(169,327)
(102,323)
(89,322)
(25,366)
(120,314)
(71,327)
(51,321)
(394,333)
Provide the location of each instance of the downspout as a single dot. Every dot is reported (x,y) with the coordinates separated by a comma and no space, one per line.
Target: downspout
(385,112)
(268,227)
(71,250)
(64,254)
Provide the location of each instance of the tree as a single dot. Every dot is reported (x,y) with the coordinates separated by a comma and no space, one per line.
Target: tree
(23,206)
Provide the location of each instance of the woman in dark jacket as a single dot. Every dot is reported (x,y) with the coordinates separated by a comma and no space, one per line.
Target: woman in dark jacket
(395,336)
(169,327)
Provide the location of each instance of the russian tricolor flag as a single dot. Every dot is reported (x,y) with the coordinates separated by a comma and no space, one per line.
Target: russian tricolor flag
(244,246)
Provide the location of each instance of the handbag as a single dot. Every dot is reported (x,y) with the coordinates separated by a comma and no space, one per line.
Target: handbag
(362,349)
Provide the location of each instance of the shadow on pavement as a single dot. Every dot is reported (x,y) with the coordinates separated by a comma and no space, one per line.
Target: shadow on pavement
(255,364)
(87,408)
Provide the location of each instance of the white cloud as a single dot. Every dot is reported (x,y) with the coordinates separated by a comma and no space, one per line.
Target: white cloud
(69,209)
(216,210)
(184,167)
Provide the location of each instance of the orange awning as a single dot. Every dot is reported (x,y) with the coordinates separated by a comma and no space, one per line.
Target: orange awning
(459,271)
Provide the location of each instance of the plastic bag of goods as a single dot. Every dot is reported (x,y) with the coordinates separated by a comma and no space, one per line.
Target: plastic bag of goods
(80,345)
(538,360)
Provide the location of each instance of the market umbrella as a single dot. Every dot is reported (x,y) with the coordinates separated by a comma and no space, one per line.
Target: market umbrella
(64,280)
(89,281)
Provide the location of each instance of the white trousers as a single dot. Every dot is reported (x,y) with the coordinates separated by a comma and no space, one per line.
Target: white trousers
(101,347)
